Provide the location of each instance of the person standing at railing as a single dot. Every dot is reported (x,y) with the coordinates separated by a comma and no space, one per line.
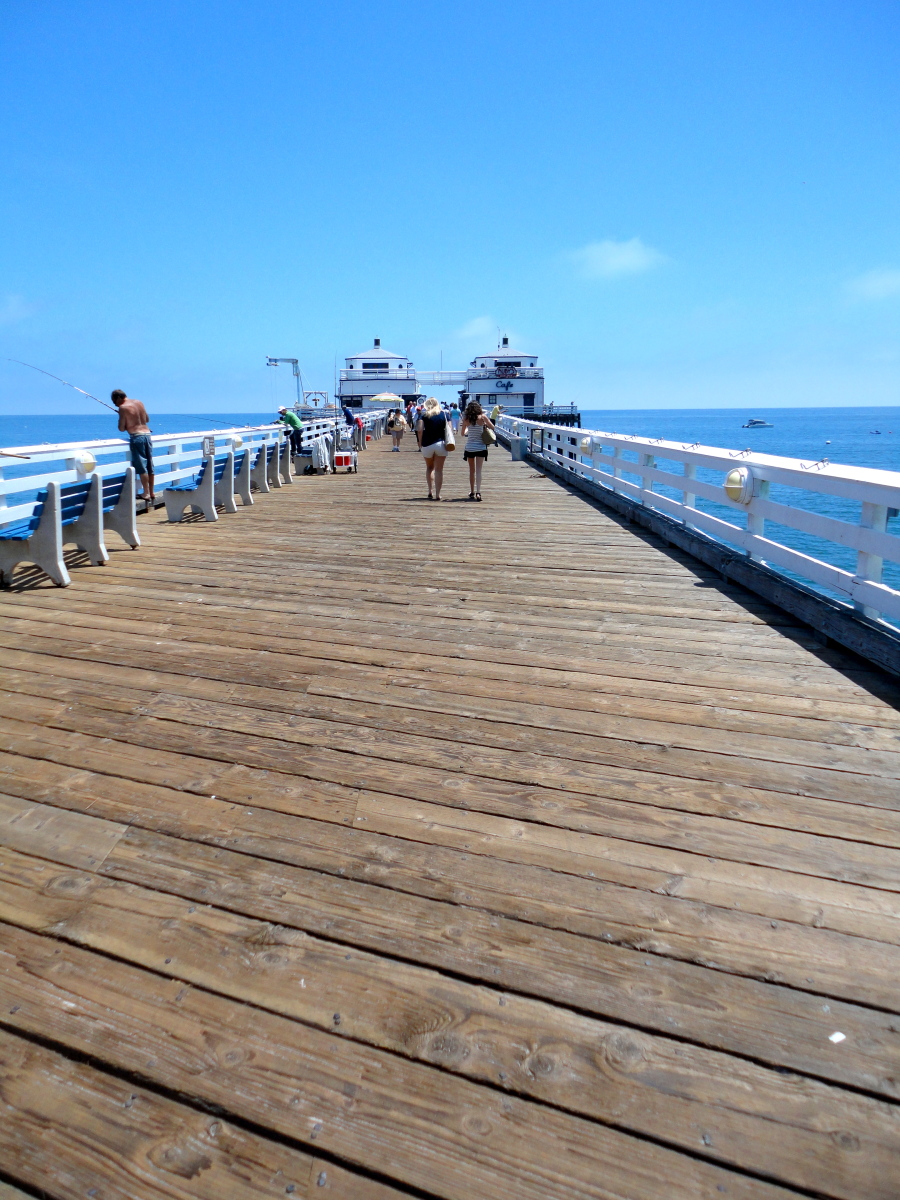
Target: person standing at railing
(134,421)
(293,427)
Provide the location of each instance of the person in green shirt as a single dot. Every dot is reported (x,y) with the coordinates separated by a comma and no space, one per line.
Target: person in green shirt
(294,427)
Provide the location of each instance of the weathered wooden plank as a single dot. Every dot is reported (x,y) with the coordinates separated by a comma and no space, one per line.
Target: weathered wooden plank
(717,1107)
(572,803)
(8,1192)
(782,895)
(801,955)
(815,682)
(74,1131)
(769,1023)
(704,708)
(40,829)
(416,1123)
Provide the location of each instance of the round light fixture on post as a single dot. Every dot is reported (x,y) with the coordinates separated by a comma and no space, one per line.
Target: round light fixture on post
(237,441)
(739,485)
(587,445)
(86,462)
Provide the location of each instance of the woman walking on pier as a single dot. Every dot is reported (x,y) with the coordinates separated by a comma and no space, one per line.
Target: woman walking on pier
(433,432)
(475,423)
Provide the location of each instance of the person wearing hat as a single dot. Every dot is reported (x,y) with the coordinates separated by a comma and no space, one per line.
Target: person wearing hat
(293,427)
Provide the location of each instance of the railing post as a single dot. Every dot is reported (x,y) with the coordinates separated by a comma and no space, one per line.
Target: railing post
(869,566)
(617,471)
(755,523)
(647,460)
(689,499)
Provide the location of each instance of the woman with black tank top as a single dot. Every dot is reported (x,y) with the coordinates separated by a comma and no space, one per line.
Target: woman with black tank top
(431,430)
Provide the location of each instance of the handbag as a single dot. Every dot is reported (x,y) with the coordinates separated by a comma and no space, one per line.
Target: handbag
(449,438)
(488,437)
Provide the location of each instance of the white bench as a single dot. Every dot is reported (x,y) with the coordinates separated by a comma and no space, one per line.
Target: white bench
(202,492)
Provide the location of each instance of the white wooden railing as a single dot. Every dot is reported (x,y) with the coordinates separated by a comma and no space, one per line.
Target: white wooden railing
(176,456)
(628,465)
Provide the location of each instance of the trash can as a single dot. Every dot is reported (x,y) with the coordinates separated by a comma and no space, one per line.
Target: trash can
(518,448)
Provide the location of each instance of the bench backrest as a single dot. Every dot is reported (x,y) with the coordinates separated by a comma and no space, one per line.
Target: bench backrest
(20,530)
(112,490)
(221,464)
(239,461)
(72,499)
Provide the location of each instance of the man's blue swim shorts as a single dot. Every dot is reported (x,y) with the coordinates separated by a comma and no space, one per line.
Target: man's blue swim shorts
(142,453)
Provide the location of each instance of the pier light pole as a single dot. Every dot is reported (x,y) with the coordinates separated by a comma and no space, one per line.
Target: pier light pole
(295,363)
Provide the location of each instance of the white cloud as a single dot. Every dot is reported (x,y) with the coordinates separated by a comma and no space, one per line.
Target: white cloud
(879,284)
(609,259)
(15,308)
(478,327)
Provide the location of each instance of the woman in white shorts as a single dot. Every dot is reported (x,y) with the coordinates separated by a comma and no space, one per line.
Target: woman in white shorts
(431,430)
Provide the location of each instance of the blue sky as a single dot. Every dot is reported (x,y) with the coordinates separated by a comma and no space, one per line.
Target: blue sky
(672,203)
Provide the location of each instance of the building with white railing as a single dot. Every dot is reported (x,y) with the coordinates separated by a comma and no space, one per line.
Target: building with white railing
(374,372)
(502,376)
(508,377)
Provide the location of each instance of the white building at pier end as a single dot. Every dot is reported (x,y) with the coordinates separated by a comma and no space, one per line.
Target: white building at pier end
(508,377)
(502,376)
(372,372)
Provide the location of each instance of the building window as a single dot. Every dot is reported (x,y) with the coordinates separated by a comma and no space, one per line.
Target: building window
(375,366)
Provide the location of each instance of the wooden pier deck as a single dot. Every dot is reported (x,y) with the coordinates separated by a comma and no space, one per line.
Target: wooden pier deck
(357,846)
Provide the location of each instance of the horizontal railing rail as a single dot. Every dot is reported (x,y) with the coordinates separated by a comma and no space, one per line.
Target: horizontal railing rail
(743,488)
(404,374)
(176,456)
(518,373)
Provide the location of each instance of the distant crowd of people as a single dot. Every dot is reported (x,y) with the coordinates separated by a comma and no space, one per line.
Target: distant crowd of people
(435,426)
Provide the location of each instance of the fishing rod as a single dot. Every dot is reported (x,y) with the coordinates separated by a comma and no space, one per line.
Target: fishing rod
(204,420)
(65,381)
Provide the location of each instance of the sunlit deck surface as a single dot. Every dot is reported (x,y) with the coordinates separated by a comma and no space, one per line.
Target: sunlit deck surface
(360,846)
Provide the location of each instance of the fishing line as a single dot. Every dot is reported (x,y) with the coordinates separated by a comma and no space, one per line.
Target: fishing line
(203,420)
(65,381)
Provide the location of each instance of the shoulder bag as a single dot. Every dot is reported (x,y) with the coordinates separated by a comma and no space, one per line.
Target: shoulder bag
(488,436)
(449,438)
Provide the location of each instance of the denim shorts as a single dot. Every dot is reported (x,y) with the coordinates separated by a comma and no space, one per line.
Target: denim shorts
(142,453)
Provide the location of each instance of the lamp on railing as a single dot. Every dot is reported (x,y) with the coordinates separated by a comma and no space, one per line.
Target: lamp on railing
(85,463)
(739,485)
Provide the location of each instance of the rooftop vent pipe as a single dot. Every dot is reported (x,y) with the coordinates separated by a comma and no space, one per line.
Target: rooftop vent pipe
(506,341)
(377,343)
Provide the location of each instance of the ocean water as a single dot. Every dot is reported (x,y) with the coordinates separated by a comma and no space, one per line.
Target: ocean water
(866,437)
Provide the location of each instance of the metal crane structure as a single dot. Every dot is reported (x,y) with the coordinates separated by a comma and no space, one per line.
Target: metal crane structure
(303,397)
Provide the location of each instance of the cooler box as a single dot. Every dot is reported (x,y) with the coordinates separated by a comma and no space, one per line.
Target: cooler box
(345,460)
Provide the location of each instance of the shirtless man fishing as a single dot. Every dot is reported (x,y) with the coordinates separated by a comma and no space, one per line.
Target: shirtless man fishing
(134,421)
